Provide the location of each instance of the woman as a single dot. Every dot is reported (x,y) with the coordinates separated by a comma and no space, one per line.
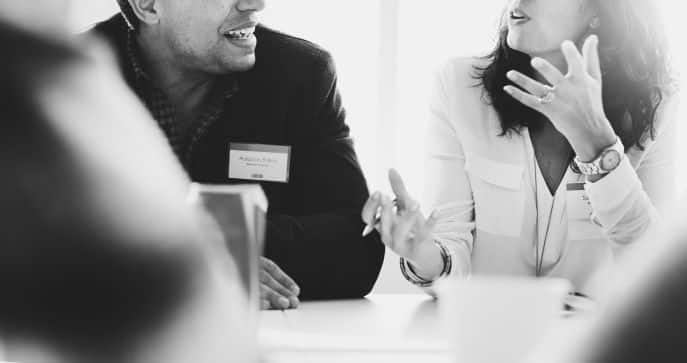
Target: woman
(535,168)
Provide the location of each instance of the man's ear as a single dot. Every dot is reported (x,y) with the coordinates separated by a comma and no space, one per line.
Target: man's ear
(145,11)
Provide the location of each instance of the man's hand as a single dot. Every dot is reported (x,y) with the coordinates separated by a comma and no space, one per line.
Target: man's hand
(277,290)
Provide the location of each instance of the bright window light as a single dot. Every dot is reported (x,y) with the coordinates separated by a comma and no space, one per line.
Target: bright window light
(385,52)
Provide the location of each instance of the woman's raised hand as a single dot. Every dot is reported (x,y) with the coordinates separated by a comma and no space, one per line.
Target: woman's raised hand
(573,102)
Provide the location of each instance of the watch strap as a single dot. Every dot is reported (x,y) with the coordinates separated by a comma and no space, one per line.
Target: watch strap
(594,167)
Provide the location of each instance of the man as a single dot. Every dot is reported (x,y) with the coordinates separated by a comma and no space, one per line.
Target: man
(240,103)
(98,263)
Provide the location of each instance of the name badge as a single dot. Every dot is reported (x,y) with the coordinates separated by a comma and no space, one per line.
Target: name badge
(259,162)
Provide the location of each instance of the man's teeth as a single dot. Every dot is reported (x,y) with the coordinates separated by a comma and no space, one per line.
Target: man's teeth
(241,33)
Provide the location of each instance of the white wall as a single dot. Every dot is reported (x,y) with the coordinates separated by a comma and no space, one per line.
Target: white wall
(385,51)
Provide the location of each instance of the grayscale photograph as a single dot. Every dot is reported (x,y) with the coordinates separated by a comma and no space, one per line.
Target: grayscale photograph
(343,181)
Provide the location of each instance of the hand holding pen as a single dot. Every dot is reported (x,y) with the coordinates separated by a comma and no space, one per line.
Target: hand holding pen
(402,202)
(369,228)
(402,226)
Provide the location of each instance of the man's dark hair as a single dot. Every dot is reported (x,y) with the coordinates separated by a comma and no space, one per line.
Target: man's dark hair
(70,279)
(128,13)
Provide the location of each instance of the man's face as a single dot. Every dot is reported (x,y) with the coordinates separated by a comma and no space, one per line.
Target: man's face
(213,36)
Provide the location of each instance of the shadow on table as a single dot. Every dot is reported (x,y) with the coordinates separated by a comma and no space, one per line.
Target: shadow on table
(425,321)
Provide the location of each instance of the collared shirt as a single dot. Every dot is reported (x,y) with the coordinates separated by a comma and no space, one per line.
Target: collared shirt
(498,217)
(183,142)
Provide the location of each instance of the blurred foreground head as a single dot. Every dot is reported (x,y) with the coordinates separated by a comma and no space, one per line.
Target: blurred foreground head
(47,16)
(101,258)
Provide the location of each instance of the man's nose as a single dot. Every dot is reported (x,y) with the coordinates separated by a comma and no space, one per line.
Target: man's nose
(251,5)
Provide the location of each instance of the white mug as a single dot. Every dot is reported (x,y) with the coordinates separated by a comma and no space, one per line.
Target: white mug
(499,319)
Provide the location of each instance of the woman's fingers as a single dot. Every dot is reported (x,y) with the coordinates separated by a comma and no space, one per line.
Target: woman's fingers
(573,57)
(432,220)
(387,215)
(403,228)
(403,198)
(426,227)
(590,53)
(369,213)
(524,98)
(528,84)
(548,71)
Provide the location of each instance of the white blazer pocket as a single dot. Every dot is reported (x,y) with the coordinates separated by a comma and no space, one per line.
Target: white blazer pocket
(497,193)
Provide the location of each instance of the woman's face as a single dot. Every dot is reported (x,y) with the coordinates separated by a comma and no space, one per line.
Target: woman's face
(537,27)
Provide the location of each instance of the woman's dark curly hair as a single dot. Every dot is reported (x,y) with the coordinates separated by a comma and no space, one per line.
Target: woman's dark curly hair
(634,63)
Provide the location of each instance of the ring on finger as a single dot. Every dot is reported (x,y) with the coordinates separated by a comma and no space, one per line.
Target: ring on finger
(549,96)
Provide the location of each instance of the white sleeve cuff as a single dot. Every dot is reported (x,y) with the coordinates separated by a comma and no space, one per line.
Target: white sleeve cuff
(462,264)
(608,195)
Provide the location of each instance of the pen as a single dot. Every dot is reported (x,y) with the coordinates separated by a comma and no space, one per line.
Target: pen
(378,219)
(371,227)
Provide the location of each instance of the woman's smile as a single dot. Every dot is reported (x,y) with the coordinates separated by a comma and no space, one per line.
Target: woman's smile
(518,17)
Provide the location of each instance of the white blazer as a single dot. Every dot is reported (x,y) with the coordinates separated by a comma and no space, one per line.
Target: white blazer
(495,211)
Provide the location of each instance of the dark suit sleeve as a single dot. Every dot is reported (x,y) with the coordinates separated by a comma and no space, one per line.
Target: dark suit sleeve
(320,245)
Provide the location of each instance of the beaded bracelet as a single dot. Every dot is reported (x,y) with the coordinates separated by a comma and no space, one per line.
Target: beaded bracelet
(412,277)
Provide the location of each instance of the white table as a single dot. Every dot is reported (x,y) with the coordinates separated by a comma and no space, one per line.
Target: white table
(380,329)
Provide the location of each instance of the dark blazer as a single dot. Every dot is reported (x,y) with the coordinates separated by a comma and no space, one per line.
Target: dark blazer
(291,98)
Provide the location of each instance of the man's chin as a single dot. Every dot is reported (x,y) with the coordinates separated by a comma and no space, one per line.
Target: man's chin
(240,65)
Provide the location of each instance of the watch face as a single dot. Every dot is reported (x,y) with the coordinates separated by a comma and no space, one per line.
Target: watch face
(610,160)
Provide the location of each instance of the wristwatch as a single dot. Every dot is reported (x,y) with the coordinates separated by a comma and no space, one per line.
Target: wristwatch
(608,160)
